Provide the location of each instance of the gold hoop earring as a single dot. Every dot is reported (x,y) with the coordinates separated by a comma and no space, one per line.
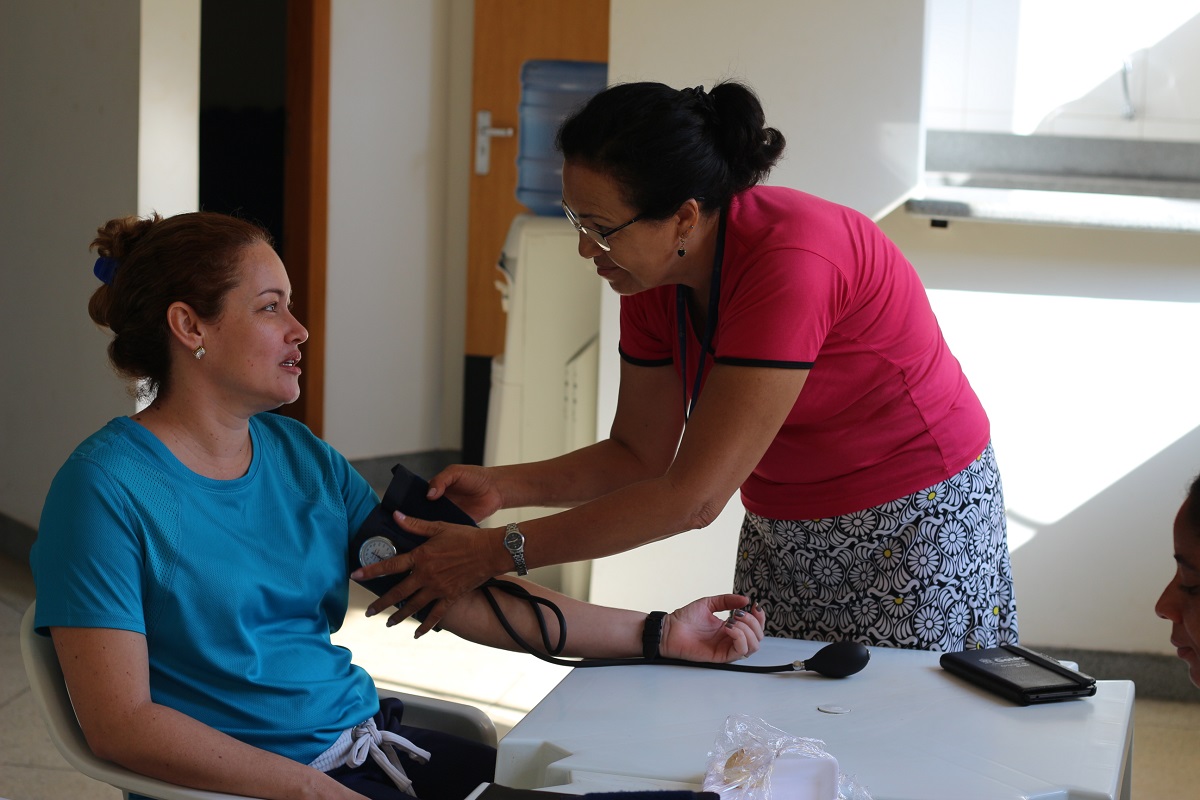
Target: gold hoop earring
(199,352)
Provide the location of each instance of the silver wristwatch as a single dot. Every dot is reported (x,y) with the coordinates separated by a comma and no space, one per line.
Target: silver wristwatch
(514,542)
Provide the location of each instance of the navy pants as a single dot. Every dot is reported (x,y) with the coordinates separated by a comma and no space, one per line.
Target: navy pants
(455,768)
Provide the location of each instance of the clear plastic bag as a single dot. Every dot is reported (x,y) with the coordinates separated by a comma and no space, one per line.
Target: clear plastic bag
(752,760)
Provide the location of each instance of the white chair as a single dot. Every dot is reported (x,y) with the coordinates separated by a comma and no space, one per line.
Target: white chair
(54,704)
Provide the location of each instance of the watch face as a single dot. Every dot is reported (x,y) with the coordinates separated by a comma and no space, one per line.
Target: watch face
(375,549)
(513,540)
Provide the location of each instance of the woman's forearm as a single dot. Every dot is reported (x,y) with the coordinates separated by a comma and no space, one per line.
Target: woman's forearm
(641,445)
(162,743)
(574,478)
(621,520)
(107,673)
(595,631)
(727,436)
(699,631)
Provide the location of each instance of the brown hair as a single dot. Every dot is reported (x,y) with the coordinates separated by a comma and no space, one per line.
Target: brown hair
(192,258)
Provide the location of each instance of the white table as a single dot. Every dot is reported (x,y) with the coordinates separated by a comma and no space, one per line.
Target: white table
(913,730)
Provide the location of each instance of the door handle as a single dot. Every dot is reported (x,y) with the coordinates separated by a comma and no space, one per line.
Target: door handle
(484,133)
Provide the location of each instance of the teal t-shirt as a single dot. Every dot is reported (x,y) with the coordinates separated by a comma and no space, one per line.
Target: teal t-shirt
(237,585)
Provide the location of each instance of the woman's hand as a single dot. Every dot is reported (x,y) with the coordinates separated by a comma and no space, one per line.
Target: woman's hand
(695,633)
(468,487)
(452,562)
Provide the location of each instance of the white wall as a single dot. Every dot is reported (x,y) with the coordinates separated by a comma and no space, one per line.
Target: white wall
(73,79)
(1081,345)
(1078,341)
(168,171)
(801,58)
(389,158)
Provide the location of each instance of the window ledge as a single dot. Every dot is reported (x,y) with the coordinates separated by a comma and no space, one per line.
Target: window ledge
(1041,206)
(1066,181)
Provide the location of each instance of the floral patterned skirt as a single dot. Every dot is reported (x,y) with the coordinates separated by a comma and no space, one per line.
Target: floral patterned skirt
(928,571)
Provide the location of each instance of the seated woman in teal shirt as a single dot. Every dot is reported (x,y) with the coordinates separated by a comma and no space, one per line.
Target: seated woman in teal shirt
(191,559)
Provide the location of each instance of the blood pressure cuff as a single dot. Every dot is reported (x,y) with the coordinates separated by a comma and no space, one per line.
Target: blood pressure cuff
(406,494)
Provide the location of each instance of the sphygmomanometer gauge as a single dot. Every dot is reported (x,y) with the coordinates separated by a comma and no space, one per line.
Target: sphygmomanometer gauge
(376,549)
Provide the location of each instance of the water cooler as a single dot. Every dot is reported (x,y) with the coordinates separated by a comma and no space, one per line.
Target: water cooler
(549,91)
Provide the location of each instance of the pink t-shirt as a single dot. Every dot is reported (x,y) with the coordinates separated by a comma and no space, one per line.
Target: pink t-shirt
(808,284)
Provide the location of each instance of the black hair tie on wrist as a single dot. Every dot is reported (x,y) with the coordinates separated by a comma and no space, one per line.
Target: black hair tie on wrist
(652,634)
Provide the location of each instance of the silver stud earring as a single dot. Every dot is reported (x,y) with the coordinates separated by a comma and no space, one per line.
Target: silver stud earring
(199,352)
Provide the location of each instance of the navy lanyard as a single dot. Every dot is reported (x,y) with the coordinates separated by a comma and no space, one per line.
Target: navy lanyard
(710,322)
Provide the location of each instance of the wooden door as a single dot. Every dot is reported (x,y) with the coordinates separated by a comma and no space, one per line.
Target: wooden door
(247,140)
(507,34)
(306,187)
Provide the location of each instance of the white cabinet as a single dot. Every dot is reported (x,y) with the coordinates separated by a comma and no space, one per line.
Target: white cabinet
(543,396)
(552,297)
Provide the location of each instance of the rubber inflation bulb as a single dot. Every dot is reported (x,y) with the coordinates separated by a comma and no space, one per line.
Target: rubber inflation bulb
(839,659)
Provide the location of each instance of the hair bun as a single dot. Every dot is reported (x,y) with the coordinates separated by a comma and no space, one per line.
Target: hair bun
(666,145)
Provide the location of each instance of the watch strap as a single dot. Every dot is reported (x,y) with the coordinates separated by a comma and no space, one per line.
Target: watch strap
(652,634)
(518,554)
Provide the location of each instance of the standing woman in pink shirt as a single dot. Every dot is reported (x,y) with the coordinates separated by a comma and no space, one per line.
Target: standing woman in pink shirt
(771,341)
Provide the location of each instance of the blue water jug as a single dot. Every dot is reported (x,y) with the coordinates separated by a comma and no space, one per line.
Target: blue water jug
(550,90)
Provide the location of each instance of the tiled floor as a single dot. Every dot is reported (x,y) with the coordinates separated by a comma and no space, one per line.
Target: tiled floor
(505,685)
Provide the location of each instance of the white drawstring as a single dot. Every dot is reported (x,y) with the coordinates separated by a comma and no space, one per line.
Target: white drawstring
(355,744)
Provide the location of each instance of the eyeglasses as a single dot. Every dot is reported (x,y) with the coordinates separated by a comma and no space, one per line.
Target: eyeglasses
(599,237)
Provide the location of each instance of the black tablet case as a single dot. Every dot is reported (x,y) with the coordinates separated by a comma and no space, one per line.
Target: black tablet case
(1019,674)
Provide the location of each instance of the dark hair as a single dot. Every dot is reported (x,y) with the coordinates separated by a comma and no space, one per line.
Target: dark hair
(191,258)
(665,145)
(1193,507)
